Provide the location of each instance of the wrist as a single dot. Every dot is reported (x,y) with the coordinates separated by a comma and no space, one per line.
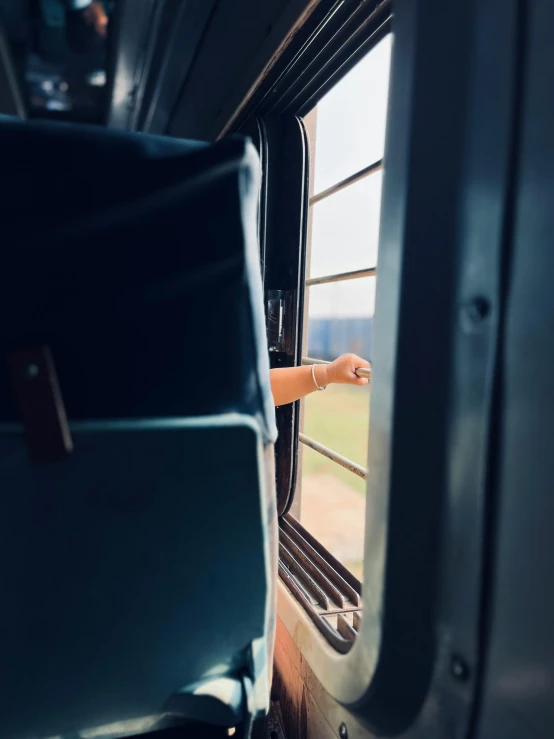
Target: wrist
(322,375)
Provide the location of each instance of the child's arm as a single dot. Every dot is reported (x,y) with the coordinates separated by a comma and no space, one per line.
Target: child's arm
(291,383)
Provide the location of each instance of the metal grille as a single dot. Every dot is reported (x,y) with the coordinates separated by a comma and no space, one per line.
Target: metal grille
(340,277)
(329,593)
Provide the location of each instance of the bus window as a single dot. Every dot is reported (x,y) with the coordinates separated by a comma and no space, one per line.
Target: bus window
(346,132)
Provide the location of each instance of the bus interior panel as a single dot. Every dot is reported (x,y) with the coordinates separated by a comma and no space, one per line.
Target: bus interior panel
(277,400)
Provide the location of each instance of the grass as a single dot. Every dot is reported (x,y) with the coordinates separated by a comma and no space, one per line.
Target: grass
(339,419)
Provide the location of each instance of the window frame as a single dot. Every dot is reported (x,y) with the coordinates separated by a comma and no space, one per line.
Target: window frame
(282,231)
(328,47)
(424,609)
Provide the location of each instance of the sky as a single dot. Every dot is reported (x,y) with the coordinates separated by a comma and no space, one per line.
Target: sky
(350,135)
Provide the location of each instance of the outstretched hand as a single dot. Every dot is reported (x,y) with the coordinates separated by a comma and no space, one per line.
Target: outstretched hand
(343,370)
(291,383)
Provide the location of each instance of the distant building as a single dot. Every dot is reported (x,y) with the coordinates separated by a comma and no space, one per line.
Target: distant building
(328,338)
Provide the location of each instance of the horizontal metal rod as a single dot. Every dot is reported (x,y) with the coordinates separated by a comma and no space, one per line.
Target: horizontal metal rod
(351,180)
(334,456)
(310,361)
(341,276)
(364,372)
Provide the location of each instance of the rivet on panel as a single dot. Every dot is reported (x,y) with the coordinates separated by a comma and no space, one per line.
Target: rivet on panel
(459,668)
(474,312)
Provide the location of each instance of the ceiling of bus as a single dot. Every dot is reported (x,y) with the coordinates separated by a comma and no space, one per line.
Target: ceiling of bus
(177,66)
(206,56)
(243,38)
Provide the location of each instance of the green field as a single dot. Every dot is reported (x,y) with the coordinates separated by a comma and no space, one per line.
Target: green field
(338,418)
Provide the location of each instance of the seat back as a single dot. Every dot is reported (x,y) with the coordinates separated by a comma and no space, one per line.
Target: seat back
(138,563)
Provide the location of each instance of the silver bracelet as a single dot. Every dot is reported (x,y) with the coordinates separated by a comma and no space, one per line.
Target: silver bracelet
(315,381)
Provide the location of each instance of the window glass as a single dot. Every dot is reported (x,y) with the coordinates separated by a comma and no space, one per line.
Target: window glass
(340,318)
(345,229)
(351,119)
(347,133)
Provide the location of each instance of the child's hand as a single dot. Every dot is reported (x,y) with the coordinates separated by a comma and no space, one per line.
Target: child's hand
(343,370)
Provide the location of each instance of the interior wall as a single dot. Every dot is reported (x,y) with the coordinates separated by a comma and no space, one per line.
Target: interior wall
(307,710)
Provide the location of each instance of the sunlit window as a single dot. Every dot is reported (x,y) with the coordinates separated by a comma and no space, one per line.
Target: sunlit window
(347,135)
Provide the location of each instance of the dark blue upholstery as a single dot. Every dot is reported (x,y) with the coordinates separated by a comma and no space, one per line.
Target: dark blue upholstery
(136,574)
(126,255)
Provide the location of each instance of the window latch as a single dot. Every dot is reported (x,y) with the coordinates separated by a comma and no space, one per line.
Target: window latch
(281,320)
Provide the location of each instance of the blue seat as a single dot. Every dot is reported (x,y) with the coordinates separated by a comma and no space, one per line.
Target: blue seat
(138,567)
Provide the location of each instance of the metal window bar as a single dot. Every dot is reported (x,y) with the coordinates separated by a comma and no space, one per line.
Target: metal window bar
(350,180)
(334,456)
(306,361)
(341,276)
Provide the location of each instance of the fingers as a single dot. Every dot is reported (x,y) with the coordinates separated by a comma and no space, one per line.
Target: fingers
(358,361)
(343,370)
(351,378)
